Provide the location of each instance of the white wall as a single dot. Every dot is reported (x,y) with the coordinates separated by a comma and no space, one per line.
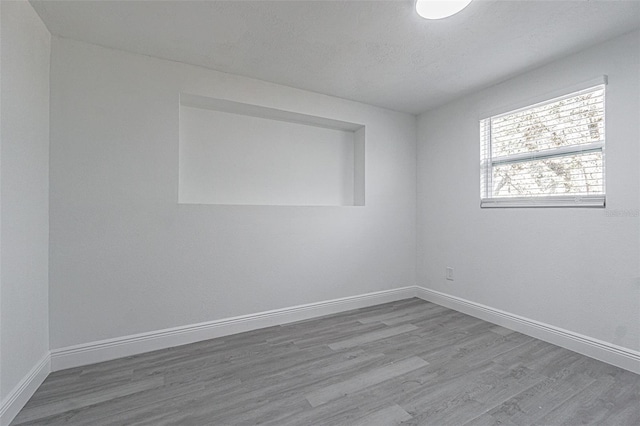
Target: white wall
(127,258)
(576,269)
(24,176)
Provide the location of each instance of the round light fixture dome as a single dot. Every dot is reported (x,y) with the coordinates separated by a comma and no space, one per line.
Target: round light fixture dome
(438,9)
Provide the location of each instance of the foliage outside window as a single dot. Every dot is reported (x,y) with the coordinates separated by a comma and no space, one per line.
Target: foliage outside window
(547,154)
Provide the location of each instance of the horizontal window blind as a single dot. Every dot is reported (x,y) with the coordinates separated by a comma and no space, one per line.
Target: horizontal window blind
(547,154)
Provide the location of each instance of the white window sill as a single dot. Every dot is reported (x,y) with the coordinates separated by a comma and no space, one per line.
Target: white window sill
(549,201)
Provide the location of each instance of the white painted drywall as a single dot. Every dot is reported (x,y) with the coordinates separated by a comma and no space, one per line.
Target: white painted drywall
(229,158)
(127,258)
(574,268)
(1,393)
(24,169)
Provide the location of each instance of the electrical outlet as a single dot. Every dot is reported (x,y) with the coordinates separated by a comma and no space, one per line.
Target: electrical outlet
(449,273)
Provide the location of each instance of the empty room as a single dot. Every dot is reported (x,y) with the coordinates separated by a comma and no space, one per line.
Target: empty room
(292,212)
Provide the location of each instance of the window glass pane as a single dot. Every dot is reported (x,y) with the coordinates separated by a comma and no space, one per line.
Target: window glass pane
(577,120)
(575,174)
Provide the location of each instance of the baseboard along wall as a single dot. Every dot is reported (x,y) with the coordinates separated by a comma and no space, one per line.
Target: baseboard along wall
(585,345)
(105,350)
(24,390)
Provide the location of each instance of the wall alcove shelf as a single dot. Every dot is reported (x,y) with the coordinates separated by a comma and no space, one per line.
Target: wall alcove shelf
(242,154)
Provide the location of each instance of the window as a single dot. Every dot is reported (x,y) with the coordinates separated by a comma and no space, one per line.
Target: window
(547,154)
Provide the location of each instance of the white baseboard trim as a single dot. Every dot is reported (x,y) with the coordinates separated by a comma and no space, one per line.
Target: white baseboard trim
(594,348)
(105,350)
(18,397)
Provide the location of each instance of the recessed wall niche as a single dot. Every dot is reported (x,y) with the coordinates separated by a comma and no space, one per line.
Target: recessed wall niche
(237,153)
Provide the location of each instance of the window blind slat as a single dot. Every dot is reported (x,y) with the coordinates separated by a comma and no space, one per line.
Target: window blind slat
(550,116)
(570,108)
(548,153)
(553,124)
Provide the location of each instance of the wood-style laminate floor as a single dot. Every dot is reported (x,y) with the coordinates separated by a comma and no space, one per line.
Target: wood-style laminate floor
(408,362)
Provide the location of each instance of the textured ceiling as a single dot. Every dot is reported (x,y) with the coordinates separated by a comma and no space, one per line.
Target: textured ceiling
(377,52)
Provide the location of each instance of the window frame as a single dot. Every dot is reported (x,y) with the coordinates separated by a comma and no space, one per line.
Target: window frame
(562,200)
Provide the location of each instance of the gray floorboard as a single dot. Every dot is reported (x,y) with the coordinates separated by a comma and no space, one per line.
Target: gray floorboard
(403,363)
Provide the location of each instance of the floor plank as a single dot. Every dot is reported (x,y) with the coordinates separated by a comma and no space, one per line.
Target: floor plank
(364,380)
(390,416)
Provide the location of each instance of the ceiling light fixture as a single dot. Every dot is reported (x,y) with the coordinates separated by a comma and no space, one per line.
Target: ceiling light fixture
(438,9)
